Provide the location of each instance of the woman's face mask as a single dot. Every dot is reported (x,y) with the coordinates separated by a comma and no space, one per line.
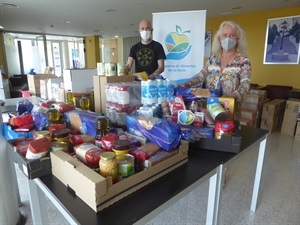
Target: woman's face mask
(228,43)
(145,35)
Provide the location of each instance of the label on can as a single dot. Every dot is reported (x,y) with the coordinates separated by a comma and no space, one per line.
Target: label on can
(125,165)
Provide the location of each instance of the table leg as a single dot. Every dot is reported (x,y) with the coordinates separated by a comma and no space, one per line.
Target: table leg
(259,167)
(37,204)
(214,197)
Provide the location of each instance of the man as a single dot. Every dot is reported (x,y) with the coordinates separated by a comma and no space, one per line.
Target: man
(148,55)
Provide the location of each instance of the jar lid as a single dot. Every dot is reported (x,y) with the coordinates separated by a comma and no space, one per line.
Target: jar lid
(60,133)
(121,144)
(107,155)
(42,133)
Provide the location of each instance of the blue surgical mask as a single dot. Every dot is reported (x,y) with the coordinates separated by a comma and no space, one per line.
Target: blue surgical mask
(228,43)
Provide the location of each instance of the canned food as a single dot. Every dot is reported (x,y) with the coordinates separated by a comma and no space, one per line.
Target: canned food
(217,112)
(125,165)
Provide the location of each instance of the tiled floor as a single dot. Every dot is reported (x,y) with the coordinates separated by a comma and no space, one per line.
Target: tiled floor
(279,199)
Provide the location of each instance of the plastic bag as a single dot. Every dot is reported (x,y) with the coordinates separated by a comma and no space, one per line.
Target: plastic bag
(24,106)
(160,131)
(185,93)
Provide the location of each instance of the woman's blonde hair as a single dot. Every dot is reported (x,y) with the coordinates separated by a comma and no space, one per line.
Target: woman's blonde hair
(241,46)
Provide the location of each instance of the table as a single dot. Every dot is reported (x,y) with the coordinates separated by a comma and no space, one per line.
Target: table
(149,201)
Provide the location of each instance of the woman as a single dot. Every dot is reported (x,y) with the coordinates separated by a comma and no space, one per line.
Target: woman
(228,69)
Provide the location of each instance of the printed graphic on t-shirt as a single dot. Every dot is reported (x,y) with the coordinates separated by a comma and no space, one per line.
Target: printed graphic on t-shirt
(145,56)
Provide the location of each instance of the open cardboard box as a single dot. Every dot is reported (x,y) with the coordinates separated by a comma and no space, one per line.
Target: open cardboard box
(99,192)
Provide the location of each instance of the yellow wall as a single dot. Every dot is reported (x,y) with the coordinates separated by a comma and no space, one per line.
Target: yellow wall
(255,25)
(92,51)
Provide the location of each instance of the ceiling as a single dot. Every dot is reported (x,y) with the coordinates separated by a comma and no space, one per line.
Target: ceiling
(108,18)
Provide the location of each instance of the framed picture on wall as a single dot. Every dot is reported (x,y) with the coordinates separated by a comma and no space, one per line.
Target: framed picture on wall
(282,41)
(207,44)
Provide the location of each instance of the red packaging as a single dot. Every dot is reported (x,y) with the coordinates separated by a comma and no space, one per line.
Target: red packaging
(19,121)
(38,148)
(221,128)
(108,139)
(56,127)
(89,154)
(21,146)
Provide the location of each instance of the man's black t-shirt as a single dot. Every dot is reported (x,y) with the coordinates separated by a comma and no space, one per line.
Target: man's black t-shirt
(146,56)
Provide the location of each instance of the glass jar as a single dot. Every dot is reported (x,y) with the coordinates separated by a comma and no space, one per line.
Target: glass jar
(84,103)
(108,165)
(53,115)
(61,135)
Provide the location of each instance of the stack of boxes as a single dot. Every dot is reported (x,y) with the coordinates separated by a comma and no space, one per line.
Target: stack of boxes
(291,112)
(251,107)
(272,114)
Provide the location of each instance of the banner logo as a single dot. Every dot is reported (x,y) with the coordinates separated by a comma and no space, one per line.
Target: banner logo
(177,44)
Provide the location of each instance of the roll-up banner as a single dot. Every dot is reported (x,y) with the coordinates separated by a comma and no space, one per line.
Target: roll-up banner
(182,35)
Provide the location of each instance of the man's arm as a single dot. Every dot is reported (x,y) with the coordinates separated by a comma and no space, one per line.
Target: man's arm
(128,65)
(159,70)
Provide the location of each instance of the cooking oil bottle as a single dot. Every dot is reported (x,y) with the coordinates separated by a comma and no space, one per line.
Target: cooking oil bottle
(84,103)
(70,97)
(53,115)
(102,127)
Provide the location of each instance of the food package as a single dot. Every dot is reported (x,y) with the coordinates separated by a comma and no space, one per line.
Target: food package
(89,154)
(108,140)
(38,148)
(82,138)
(221,128)
(158,157)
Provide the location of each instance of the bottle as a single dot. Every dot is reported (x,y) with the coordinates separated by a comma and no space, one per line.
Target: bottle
(102,126)
(84,103)
(70,98)
(53,115)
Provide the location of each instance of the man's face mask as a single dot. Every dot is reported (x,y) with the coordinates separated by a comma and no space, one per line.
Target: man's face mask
(145,35)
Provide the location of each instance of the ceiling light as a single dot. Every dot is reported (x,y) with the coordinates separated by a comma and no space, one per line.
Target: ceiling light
(110,10)
(1,27)
(9,5)
(67,21)
(237,7)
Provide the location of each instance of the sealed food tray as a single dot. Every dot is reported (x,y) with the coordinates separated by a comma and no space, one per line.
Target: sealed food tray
(31,168)
(227,143)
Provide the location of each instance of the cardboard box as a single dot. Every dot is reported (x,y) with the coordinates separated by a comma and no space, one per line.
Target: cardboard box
(78,80)
(99,192)
(34,82)
(273,107)
(31,168)
(52,87)
(99,89)
(292,105)
(270,124)
(43,89)
(290,117)
(288,128)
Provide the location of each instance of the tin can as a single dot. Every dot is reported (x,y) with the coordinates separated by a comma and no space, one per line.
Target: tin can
(217,112)
(125,165)
(110,69)
(101,69)
(120,69)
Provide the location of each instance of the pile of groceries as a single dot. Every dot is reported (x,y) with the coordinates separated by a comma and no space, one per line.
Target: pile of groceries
(154,121)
